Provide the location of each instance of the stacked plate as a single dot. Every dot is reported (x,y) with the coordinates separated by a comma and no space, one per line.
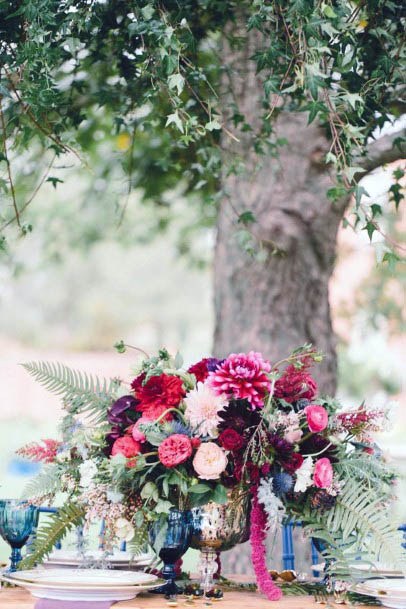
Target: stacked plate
(117,560)
(391,592)
(361,570)
(83,584)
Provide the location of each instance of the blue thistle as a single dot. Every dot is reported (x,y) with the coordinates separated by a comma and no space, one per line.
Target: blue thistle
(179,427)
(282,483)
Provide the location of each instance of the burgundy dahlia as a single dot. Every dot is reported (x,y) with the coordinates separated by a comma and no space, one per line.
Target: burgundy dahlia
(292,463)
(283,448)
(295,385)
(239,415)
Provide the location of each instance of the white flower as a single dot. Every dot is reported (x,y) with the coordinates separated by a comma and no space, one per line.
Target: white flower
(273,506)
(114,496)
(304,476)
(202,408)
(124,529)
(87,471)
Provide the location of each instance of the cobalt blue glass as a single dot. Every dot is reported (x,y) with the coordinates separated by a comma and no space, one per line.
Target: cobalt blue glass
(321,547)
(18,519)
(177,541)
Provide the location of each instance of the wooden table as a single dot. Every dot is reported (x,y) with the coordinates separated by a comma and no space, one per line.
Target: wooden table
(12,598)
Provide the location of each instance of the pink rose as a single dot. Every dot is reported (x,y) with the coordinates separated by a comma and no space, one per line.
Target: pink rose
(174,450)
(323,473)
(293,435)
(317,417)
(126,446)
(137,434)
(210,461)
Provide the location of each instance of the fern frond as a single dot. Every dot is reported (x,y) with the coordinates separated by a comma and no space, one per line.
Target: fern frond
(360,523)
(57,526)
(81,392)
(46,482)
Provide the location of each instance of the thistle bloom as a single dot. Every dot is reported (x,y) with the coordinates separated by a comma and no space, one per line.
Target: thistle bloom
(242,376)
(202,410)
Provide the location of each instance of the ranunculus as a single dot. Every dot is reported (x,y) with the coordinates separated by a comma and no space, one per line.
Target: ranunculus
(293,435)
(210,461)
(118,412)
(294,385)
(317,417)
(242,376)
(230,439)
(138,435)
(174,450)
(323,473)
(126,446)
(158,394)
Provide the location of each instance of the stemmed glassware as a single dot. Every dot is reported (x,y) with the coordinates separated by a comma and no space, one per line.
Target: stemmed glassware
(18,519)
(177,541)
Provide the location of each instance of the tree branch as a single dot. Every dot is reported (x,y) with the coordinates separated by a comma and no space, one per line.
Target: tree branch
(381,152)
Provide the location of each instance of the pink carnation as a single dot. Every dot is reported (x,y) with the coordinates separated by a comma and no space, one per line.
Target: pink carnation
(126,446)
(317,418)
(174,450)
(242,376)
(295,385)
(323,473)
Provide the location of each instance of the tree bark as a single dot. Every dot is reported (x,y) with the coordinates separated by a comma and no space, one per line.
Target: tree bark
(275,305)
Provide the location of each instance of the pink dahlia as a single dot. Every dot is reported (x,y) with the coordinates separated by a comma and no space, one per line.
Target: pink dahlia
(295,385)
(174,450)
(242,376)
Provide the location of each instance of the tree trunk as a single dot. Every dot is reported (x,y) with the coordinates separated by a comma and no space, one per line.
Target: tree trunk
(278,304)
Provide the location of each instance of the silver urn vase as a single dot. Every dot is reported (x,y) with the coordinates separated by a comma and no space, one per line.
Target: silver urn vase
(217,528)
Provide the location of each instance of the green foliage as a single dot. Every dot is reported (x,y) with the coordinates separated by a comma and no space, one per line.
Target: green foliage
(58,525)
(152,75)
(358,521)
(46,482)
(80,392)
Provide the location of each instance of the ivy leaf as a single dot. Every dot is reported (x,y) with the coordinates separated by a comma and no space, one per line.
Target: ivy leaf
(199,488)
(54,181)
(212,125)
(359,192)
(376,210)
(175,119)
(220,494)
(246,218)
(176,81)
(391,259)
(370,227)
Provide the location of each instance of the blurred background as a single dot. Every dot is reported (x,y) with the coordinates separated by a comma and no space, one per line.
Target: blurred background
(62,299)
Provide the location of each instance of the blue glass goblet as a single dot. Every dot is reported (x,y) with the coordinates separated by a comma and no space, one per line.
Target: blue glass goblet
(18,519)
(177,541)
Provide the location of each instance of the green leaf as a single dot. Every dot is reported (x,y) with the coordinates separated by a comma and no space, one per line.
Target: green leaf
(174,118)
(376,210)
(370,227)
(220,494)
(212,125)
(247,217)
(199,488)
(176,81)
(148,12)
(54,181)
(391,260)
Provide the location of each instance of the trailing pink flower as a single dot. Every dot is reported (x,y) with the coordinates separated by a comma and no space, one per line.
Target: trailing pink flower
(242,376)
(258,551)
(44,451)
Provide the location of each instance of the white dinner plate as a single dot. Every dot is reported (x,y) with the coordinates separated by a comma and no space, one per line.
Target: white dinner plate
(83,577)
(82,592)
(72,557)
(362,567)
(386,587)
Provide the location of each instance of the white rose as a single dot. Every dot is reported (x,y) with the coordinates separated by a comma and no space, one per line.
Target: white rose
(124,529)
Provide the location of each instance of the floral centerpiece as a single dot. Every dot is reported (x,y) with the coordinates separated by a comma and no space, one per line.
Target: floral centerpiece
(176,437)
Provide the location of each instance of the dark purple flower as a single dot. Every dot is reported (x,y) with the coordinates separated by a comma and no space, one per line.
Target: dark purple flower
(118,412)
(283,448)
(111,437)
(213,363)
